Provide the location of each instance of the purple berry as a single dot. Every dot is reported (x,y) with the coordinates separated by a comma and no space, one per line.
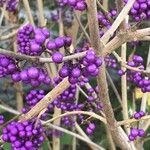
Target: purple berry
(92,126)
(59,42)
(137,115)
(121,72)
(134,132)
(89,131)
(40,38)
(91,68)
(57,57)
(131,138)
(63,72)
(142,113)
(76,72)
(28,144)
(51,45)
(33,73)
(141,133)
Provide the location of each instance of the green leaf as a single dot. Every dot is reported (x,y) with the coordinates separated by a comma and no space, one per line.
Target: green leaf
(147,145)
(104,143)
(45,145)
(2,111)
(7,146)
(66,139)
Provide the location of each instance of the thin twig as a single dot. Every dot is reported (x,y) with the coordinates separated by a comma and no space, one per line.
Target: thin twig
(73,30)
(81,36)
(142,124)
(41,13)
(66,58)
(123,27)
(74,140)
(129,121)
(104,11)
(83,29)
(18,87)
(57,111)
(8,36)
(81,132)
(3,13)
(124,85)
(97,147)
(92,114)
(9,109)
(105,4)
(28,11)
(114,88)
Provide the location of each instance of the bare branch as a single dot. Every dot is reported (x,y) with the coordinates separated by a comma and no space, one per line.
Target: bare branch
(129,121)
(118,137)
(118,40)
(42,104)
(117,22)
(8,36)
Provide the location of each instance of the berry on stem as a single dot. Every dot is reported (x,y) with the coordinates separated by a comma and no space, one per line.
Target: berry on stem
(57,57)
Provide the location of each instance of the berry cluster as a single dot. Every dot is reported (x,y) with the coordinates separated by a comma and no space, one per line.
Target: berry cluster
(135,132)
(34,96)
(65,101)
(140,10)
(76,4)
(68,17)
(88,66)
(31,40)
(68,121)
(110,62)
(93,101)
(54,15)
(138,115)
(90,98)
(32,75)
(11,5)
(23,135)
(139,79)
(7,66)
(55,44)
(90,129)
(82,81)
(104,23)
(1,119)
(52,132)
(91,63)
(134,44)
